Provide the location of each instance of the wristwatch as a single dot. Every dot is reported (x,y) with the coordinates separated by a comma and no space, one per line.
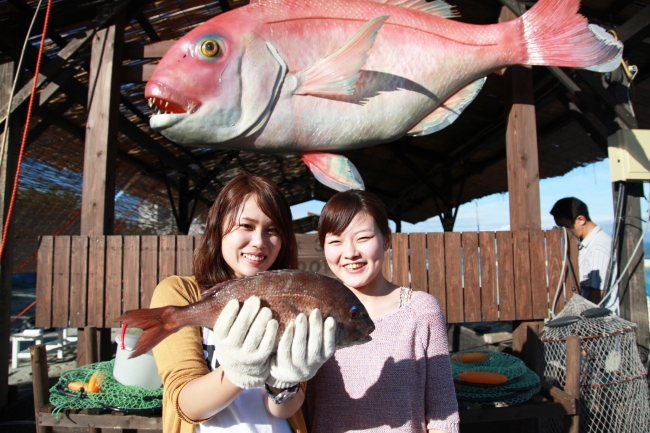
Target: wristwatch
(283,396)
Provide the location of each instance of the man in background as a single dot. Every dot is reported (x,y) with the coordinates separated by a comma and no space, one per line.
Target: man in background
(594,251)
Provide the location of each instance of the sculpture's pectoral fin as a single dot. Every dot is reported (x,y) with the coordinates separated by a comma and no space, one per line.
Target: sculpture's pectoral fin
(332,170)
(337,74)
(449,111)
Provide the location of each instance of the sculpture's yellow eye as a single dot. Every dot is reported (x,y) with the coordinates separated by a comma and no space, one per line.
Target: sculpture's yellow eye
(210,48)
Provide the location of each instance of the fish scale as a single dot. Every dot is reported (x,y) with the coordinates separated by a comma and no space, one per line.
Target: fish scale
(286,292)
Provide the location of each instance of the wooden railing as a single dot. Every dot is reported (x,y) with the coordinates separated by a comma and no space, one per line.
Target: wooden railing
(476,276)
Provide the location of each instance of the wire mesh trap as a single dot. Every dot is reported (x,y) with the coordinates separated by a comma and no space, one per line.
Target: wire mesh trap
(613,388)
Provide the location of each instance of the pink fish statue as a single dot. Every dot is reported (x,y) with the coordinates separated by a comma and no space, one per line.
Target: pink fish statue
(311,76)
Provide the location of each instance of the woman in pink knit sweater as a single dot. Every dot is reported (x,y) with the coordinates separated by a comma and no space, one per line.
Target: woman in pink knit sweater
(401,380)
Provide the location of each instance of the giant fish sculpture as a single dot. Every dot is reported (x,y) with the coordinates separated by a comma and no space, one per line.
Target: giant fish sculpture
(287,293)
(312,76)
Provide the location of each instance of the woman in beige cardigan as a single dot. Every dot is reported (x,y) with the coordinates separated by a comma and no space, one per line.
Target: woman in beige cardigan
(215,379)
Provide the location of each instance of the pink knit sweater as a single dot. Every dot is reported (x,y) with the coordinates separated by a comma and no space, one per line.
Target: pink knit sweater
(399,382)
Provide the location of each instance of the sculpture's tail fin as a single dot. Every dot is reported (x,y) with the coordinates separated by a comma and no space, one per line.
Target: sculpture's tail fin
(557,35)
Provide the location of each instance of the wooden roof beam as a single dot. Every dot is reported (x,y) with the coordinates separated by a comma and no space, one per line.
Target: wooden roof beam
(475,141)
(579,116)
(143,139)
(634,25)
(78,92)
(27,13)
(618,6)
(147,27)
(225,5)
(62,57)
(135,110)
(49,118)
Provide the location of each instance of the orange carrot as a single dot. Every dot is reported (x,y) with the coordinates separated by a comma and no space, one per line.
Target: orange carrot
(483,377)
(94,382)
(469,357)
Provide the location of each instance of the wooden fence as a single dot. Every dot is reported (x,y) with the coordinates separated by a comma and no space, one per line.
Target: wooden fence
(476,276)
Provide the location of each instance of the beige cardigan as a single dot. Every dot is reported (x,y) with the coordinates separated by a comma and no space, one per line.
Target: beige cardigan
(179,357)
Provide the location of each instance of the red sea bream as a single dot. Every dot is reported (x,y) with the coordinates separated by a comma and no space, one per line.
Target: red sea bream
(287,293)
(312,76)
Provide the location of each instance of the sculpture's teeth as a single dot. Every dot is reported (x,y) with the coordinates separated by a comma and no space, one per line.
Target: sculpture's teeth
(150,102)
(166,104)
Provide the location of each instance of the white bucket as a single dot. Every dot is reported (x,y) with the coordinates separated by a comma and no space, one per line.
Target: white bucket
(140,371)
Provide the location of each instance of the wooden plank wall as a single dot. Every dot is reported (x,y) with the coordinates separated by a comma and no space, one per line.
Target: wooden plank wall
(476,277)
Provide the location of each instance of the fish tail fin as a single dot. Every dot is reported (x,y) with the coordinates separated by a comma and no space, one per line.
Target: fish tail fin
(557,35)
(156,324)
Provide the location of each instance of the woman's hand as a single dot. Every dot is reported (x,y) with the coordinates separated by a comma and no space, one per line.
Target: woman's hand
(303,348)
(243,341)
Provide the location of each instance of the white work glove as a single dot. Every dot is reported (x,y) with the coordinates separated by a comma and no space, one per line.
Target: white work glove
(244,341)
(303,348)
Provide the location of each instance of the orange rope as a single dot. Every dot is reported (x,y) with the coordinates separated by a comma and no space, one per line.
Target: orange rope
(24,140)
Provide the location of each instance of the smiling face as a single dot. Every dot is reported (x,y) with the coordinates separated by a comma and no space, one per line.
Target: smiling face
(356,255)
(254,242)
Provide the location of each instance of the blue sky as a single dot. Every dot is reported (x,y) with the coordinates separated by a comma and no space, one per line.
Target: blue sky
(590,184)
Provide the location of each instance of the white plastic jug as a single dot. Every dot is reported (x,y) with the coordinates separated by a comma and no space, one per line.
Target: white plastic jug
(140,371)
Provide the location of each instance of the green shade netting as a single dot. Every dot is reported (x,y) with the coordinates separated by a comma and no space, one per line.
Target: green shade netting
(522,382)
(112,395)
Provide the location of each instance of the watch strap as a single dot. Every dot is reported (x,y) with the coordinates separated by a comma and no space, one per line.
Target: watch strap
(283,396)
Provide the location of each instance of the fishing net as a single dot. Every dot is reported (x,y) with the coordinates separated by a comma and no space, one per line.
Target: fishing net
(522,383)
(613,388)
(112,395)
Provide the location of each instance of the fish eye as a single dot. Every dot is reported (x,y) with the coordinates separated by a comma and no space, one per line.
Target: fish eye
(354,312)
(210,48)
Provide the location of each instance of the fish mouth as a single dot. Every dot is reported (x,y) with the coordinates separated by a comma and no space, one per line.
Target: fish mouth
(168,100)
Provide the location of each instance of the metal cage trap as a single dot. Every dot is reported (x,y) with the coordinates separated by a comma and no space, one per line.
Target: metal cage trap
(613,387)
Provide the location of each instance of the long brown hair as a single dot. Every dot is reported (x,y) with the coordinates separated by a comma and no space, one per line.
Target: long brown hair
(340,210)
(209,266)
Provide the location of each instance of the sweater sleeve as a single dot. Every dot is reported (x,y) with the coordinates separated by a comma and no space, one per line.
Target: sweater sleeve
(179,357)
(441,406)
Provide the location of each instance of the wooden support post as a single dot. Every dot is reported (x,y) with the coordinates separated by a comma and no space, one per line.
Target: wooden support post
(9,155)
(90,338)
(98,194)
(521,146)
(631,289)
(525,342)
(40,382)
(183,216)
(522,157)
(572,386)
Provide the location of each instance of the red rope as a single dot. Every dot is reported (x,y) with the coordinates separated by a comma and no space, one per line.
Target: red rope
(23,312)
(58,232)
(24,140)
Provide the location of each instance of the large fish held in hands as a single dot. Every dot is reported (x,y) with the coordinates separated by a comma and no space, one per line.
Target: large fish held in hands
(312,76)
(287,293)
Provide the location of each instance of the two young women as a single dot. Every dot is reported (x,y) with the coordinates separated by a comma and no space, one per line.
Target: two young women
(215,379)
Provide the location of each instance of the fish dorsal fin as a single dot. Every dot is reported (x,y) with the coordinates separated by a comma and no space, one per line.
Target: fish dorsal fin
(335,171)
(337,74)
(438,8)
(212,290)
(449,111)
